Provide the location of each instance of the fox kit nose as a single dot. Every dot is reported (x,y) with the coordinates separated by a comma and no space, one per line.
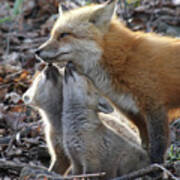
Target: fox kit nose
(70,67)
(26,99)
(37,51)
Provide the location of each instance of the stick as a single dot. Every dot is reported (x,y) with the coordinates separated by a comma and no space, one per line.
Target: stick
(86,175)
(39,58)
(166,171)
(10,165)
(38,173)
(144,171)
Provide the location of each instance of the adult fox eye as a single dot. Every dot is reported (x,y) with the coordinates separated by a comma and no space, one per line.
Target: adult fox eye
(62,35)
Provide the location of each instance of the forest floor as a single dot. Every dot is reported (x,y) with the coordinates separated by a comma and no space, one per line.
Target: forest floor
(22,30)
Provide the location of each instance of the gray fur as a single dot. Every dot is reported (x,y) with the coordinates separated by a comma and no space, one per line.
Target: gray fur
(102,80)
(91,146)
(45,94)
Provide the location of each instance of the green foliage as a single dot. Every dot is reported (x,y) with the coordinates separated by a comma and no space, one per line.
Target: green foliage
(136,3)
(174,153)
(16,10)
(9,18)
(17,7)
(89,2)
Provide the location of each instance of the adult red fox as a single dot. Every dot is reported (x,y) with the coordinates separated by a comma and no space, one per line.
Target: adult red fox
(139,72)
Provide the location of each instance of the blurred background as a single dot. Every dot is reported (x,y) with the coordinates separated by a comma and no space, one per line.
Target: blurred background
(26,24)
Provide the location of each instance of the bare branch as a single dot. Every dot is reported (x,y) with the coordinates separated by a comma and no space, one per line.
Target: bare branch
(146,171)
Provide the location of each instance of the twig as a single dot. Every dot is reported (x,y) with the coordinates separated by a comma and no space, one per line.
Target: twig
(39,58)
(166,171)
(145,171)
(37,173)
(10,165)
(76,176)
(5,140)
(87,175)
(8,45)
(12,139)
(25,46)
(14,75)
(40,173)
(2,86)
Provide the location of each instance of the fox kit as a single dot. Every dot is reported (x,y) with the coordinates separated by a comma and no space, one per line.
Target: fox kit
(91,146)
(45,94)
(42,94)
(139,72)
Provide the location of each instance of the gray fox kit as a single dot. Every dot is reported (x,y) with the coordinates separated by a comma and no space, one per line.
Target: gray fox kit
(41,95)
(45,94)
(91,146)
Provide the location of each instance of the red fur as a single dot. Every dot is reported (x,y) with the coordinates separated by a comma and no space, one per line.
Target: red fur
(147,65)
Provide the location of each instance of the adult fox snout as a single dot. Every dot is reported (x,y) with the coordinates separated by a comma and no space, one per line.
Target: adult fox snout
(48,50)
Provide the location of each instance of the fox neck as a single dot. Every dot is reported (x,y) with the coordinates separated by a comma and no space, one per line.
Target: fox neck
(117,44)
(111,61)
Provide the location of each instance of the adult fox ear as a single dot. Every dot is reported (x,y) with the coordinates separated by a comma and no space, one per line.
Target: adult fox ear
(60,11)
(104,13)
(104,106)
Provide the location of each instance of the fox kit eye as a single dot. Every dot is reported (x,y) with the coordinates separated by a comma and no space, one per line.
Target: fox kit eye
(62,35)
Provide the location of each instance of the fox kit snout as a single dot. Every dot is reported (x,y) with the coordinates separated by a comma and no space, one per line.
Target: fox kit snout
(41,87)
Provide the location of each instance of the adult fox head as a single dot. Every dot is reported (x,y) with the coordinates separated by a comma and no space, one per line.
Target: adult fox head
(77,34)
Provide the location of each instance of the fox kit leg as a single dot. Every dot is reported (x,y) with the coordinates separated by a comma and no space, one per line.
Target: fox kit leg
(92,165)
(51,148)
(76,168)
(89,167)
(53,161)
(158,134)
(62,162)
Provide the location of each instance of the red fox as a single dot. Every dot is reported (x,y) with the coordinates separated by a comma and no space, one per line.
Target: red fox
(139,72)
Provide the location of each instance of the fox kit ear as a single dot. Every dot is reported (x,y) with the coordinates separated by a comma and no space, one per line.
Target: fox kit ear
(103,15)
(60,11)
(104,106)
